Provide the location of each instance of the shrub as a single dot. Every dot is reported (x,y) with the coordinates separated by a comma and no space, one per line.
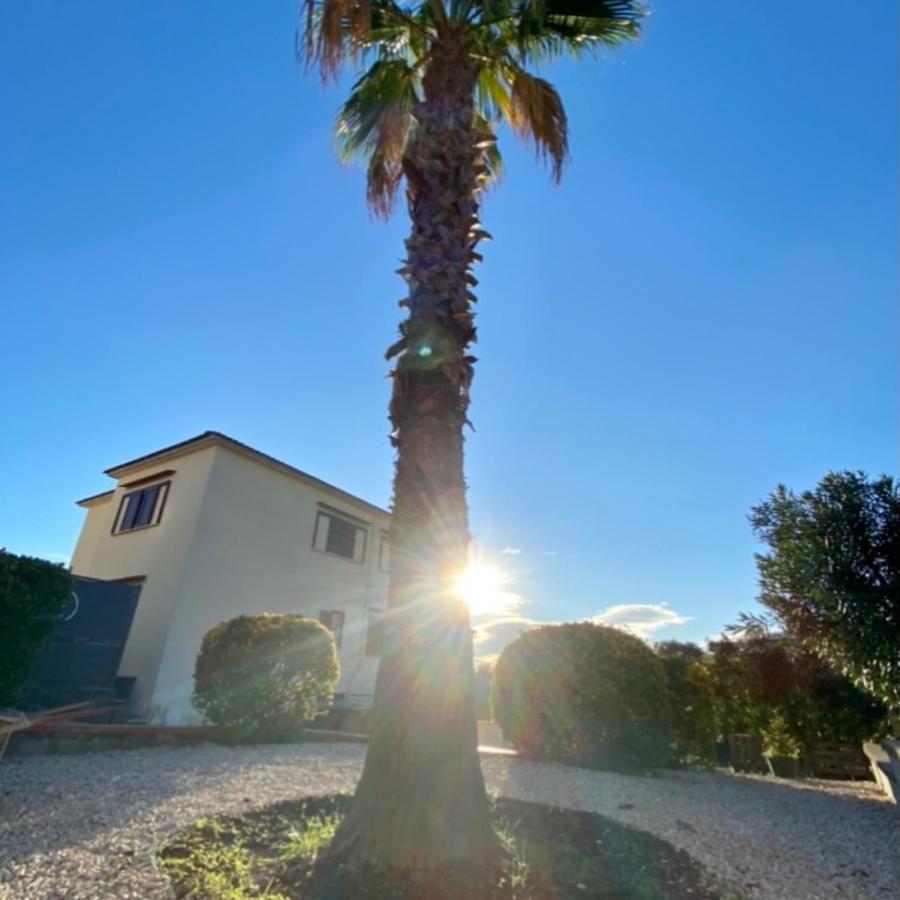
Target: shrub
(266,675)
(33,593)
(583,693)
(766,681)
(692,704)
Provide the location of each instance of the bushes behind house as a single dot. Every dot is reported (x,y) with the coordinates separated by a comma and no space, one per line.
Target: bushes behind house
(583,693)
(33,593)
(266,675)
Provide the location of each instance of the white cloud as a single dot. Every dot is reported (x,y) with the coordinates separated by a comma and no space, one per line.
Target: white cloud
(641,619)
(492,636)
(549,553)
(511,551)
(493,632)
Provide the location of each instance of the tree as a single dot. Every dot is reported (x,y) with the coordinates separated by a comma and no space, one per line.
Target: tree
(764,680)
(33,593)
(441,74)
(265,675)
(692,703)
(832,574)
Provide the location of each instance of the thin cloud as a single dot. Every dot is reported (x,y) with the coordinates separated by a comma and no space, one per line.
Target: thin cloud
(492,636)
(641,619)
(549,553)
(511,551)
(492,633)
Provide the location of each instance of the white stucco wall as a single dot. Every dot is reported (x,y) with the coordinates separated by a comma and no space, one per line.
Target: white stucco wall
(157,554)
(252,552)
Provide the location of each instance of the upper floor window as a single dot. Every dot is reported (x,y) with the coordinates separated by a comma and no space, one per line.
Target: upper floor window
(141,508)
(340,537)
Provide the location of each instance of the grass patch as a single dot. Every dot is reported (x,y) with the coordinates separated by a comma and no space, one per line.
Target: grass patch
(552,854)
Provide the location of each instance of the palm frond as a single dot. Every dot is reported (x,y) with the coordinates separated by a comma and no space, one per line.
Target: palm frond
(337,30)
(537,115)
(541,29)
(490,155)
(375,123)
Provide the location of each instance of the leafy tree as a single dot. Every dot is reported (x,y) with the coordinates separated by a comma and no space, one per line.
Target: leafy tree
(692,703)
(265,675)
(832,574)
(583,693)
(33,592)
(765,683)
(440,76)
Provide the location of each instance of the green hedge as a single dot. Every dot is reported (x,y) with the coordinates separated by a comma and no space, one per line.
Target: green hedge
(265,675)
(33,593)
(583,693)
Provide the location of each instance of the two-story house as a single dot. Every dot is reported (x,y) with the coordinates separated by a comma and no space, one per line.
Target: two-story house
(210,529)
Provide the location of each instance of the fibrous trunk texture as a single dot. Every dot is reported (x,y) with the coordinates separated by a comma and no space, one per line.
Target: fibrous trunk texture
(421,804)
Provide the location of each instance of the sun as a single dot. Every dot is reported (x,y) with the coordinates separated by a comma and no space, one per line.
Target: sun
(481,586)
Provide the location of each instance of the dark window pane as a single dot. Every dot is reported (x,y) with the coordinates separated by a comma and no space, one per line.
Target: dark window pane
(148,504)
(341,537)
(132,506)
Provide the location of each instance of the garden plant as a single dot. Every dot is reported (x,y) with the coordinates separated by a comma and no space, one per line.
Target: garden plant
(265,676)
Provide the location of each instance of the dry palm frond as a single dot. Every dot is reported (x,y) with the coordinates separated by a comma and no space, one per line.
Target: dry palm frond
(374,124)
(385,165)
(537,114)
(335,29)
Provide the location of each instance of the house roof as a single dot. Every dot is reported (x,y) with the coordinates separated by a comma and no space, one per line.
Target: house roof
(217,439)
(87,501)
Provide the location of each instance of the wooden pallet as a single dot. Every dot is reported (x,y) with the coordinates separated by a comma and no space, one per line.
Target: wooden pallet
(836,759)
(746,753)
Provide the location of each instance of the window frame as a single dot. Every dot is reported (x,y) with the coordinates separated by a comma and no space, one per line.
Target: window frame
(374,642)
(384,565)
(337,634)
(159,505)
(354,523)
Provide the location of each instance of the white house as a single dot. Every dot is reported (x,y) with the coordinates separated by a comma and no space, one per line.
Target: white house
(211,529)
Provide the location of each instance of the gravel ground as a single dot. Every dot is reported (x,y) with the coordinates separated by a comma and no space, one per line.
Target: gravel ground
(83,826)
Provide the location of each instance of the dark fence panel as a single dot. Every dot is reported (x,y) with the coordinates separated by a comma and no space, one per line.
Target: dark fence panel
(83,660)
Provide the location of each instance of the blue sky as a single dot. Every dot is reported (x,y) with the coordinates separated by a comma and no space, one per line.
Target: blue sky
(703,309)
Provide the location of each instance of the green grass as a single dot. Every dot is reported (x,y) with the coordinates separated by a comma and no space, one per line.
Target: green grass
(551,854)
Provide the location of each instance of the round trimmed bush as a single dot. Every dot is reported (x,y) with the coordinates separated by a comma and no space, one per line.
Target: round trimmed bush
(265,675)
(583,693)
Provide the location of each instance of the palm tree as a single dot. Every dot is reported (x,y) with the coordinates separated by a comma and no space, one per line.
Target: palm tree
(440,76)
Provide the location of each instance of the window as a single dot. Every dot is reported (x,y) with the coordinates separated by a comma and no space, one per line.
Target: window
(333,620)
(374,632)
(384,553)
(340,537)
(142,508)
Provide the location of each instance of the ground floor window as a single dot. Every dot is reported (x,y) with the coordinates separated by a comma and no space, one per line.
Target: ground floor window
(333,620)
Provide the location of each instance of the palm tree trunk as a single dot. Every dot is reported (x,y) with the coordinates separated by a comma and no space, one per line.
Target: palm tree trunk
(421,804)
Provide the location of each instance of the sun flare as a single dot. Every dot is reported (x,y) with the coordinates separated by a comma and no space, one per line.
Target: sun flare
(482,586)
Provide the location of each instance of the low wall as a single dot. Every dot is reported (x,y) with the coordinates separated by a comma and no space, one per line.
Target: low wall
(81,738)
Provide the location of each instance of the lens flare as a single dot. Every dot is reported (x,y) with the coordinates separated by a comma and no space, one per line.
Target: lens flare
(482,586)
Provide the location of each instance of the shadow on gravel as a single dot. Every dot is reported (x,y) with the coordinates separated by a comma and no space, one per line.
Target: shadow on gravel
(49,803)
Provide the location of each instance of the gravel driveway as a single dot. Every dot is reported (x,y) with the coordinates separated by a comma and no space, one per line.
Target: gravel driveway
(82,826)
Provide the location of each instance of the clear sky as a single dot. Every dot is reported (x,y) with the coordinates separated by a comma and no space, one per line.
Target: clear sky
(703,309)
